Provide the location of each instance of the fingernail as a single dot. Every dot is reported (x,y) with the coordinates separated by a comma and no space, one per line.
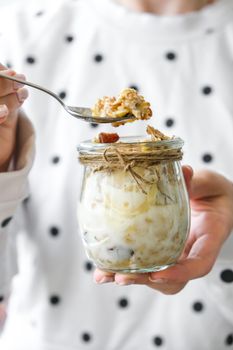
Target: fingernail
(105,279)
(158,280)
(3,111)
(17,85)
(22,94)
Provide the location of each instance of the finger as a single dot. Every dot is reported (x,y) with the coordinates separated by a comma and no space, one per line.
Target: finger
(188,175)
(15,100)
(207,183)
(131,278)
(164,286)
(4,111)
(139,278)
(7,86)
(101,276)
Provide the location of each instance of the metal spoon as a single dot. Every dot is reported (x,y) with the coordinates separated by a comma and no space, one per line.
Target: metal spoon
(77,112)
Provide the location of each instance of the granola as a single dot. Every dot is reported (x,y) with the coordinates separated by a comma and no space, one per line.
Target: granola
(156,135)
(128,102)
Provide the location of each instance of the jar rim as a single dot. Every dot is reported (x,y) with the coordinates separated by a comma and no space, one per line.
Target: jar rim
(132,142)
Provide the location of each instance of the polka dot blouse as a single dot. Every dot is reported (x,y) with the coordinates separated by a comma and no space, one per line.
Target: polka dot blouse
(83,50)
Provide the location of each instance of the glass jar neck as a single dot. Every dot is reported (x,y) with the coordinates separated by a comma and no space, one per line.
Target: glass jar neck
(129,152)
(134,144)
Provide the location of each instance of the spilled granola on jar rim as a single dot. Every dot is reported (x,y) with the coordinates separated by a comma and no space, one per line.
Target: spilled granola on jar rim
(155,135)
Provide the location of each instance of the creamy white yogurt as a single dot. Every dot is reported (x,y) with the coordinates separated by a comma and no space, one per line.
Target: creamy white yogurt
(124,229)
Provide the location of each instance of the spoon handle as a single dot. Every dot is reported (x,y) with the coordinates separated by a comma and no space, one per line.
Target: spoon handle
(35,86)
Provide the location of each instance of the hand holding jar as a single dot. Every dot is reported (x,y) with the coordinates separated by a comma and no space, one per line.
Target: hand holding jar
(134,209)
(211,198)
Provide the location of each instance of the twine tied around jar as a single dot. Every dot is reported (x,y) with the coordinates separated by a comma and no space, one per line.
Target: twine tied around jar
(111,158)
(128,166)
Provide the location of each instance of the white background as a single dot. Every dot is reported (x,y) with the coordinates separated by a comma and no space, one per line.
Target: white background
(5,2)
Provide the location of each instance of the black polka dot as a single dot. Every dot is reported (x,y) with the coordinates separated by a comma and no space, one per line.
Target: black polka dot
(171,56)
(198,306)
(54,231)
(62,95)
(227,276)
(1,298)
(98,58)
(94,125)
(69,38)
(6,221)
(56,159)
(30,60)
(54,300)
(207,158)
(209,30)
(229,339)
(86,337)
(39,13)
(88,265)
(26,200)
(123,302)
(207,90)
(158,341)
(169,122)
(135,87)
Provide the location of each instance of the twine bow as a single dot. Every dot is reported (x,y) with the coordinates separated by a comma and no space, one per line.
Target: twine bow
(128,166)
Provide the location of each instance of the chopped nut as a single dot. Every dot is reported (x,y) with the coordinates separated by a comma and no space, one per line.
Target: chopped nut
(104,137)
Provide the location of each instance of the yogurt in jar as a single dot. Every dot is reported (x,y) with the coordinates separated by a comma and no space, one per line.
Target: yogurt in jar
(127,229)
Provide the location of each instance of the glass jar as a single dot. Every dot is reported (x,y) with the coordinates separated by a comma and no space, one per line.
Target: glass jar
(133,211)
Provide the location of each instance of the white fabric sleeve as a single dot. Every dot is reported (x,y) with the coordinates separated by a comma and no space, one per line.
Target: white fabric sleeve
(13,190)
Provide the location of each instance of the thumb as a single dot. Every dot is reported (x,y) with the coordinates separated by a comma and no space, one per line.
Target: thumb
(207,184)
